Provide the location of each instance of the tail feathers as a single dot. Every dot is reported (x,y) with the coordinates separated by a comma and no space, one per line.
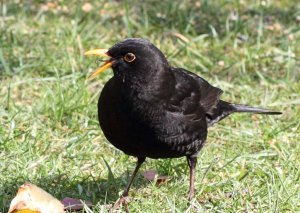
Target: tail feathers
(245,108)
(223,109)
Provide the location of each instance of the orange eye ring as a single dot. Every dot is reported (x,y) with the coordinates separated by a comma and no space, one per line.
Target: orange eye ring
(129,57)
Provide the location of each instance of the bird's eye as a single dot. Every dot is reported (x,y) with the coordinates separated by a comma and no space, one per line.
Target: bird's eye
(129,57)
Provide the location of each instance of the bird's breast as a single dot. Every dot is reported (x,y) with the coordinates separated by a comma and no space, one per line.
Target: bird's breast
(144,127)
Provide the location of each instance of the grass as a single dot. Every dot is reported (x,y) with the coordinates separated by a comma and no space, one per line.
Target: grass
(49,133)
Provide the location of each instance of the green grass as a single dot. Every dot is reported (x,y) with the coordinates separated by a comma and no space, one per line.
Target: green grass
(49,133)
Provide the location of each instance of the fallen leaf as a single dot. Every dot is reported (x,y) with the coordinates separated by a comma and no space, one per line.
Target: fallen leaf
(161,180)
(31,198)
(275,27)
(152,175)
(87,7)
(75,204)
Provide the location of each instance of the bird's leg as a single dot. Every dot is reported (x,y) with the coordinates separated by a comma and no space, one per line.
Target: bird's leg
(192,161)
(140,161)
(124,195)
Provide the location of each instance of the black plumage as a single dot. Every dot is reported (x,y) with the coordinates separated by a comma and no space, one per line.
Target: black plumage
(151,109)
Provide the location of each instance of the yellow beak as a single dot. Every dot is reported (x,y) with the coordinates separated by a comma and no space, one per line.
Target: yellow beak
(106,65)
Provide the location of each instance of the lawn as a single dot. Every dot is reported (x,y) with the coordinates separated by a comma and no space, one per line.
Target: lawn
(49,132)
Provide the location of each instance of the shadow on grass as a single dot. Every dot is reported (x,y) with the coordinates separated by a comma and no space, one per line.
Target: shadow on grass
(97,190)
(102,191)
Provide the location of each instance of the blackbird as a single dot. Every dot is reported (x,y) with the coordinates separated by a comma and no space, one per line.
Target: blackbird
(151,109)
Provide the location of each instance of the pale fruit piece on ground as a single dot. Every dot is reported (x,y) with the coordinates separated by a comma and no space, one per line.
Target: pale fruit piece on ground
(25,211)
(32,199)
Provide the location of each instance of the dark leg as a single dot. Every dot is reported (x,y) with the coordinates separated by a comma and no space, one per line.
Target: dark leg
(192,161)
(124,195)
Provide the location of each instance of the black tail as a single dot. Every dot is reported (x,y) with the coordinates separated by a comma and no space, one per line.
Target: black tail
(223,109)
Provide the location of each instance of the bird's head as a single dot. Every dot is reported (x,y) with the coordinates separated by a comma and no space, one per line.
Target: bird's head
(133,58)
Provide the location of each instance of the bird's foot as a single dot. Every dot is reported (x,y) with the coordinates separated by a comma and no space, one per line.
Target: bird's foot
(191,195)
(123,200)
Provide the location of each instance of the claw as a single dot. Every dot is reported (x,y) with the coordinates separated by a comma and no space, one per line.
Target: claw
(123,200)
(191,195)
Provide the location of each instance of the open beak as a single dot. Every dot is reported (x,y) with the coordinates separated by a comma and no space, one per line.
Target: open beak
(106,65)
